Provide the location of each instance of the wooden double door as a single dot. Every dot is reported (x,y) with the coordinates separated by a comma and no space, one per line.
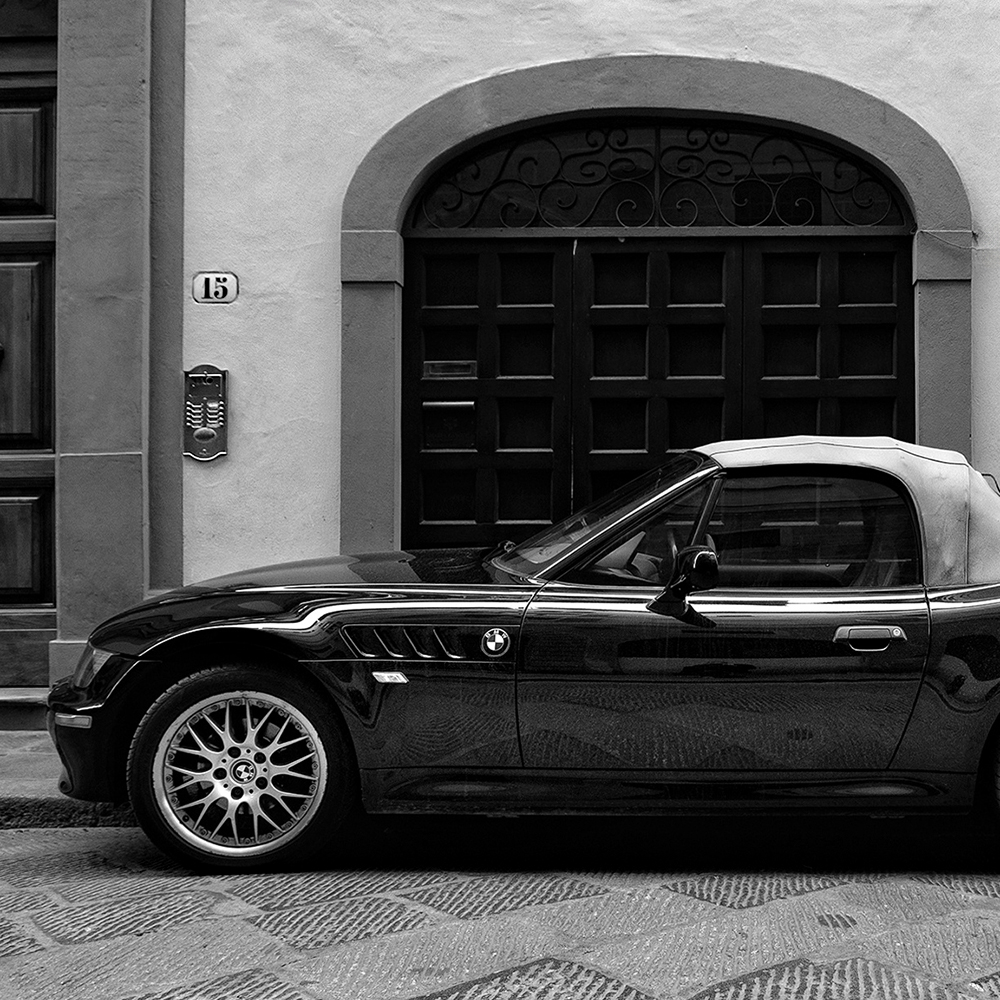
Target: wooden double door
(540,373)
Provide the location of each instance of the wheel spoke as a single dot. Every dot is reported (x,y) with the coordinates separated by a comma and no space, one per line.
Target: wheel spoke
(291,742)
(274,797)
(190,782)
(281,793)
(205,748)
(284,725)
(259,814)
(227,815)
(208,798)
(205,803)
(260,725)
(287,768)
(204,775)
(211,722)
(227,722)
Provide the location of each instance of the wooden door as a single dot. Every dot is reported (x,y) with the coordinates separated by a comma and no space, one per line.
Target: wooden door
(27,467)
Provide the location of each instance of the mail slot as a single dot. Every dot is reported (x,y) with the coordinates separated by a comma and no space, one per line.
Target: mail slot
(449,369)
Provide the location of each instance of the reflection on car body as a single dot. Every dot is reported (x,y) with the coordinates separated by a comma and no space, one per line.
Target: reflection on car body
(776,624)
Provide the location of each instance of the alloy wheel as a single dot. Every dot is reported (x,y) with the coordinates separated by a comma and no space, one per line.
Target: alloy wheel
(239,773)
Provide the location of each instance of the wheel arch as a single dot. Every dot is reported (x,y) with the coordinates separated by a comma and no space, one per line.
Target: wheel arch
(191,652)
(205,807)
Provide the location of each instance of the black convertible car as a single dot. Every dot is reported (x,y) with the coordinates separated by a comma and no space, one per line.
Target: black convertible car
(791,623)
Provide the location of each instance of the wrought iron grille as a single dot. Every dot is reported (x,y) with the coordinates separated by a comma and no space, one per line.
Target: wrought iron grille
(644,174)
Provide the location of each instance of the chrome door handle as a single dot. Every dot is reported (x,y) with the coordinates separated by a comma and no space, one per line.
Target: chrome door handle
(869,638)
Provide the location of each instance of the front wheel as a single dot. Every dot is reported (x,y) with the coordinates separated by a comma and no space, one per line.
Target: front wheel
(237,767)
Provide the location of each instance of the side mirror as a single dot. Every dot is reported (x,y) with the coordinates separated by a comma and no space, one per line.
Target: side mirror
(696,568)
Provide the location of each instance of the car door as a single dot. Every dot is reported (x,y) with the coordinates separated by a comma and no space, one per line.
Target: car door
(806,657)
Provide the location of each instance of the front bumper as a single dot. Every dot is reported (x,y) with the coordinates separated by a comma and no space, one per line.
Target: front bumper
(91,755)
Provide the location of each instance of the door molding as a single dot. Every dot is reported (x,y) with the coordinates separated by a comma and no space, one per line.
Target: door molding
(407,154)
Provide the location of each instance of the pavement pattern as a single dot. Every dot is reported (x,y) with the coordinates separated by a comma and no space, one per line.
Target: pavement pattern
(555,909)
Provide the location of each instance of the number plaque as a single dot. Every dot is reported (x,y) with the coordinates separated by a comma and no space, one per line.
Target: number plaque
(215,287)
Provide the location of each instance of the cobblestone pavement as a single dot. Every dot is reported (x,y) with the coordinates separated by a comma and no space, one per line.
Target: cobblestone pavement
(493,909)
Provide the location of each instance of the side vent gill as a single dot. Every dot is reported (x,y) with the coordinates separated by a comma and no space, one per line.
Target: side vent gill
(401,642)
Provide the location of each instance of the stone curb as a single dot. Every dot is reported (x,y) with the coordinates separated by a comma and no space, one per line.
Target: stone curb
(20,812)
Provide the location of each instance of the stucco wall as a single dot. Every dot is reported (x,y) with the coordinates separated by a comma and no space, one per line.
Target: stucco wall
(284,99)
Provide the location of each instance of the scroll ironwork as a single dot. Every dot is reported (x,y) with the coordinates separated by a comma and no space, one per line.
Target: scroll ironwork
(646,174)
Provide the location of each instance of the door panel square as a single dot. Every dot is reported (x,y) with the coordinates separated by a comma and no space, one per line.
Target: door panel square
(525,350)
(791,350)
(25,348)
(26,540)
(867,278)
(20,325)
(791,279)
(26,137)
(696,278)
(618,424)
(451,280)
(620,279)
(868,416)
(524,495)
(790,416)
(450,343)
(695,349)
(619,351)
(868,349)
(525,278)
(448,495)
(691,422)
(524,424)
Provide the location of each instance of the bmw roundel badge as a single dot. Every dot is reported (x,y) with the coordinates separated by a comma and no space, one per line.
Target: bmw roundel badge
(495,642)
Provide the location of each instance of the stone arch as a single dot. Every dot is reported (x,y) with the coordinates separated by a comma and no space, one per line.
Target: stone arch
(406,155)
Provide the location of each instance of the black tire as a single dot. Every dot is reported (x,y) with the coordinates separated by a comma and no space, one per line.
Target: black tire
(283,793)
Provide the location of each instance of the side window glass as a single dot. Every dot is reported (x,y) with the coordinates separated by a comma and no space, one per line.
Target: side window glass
(813,531)
(645,556)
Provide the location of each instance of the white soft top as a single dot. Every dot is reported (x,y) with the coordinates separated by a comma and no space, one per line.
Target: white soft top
(958,509)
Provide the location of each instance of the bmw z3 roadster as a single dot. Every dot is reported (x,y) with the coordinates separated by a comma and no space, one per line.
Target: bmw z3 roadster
(781,624)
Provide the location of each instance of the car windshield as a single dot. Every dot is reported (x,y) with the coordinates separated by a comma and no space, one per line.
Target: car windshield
(534,555)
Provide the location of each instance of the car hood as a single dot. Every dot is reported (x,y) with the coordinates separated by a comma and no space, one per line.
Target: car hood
(422,566)
(290,592)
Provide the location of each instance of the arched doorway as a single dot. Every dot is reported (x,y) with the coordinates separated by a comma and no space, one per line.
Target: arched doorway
(401,161)
(584,298)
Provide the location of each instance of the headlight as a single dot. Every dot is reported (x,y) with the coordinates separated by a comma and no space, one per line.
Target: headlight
(90,663)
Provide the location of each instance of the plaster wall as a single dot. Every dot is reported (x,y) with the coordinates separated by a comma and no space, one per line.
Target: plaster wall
(284,99)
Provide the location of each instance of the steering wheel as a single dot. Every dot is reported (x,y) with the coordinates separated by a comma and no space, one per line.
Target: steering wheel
(654,556)
(668,558)
(630,566)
